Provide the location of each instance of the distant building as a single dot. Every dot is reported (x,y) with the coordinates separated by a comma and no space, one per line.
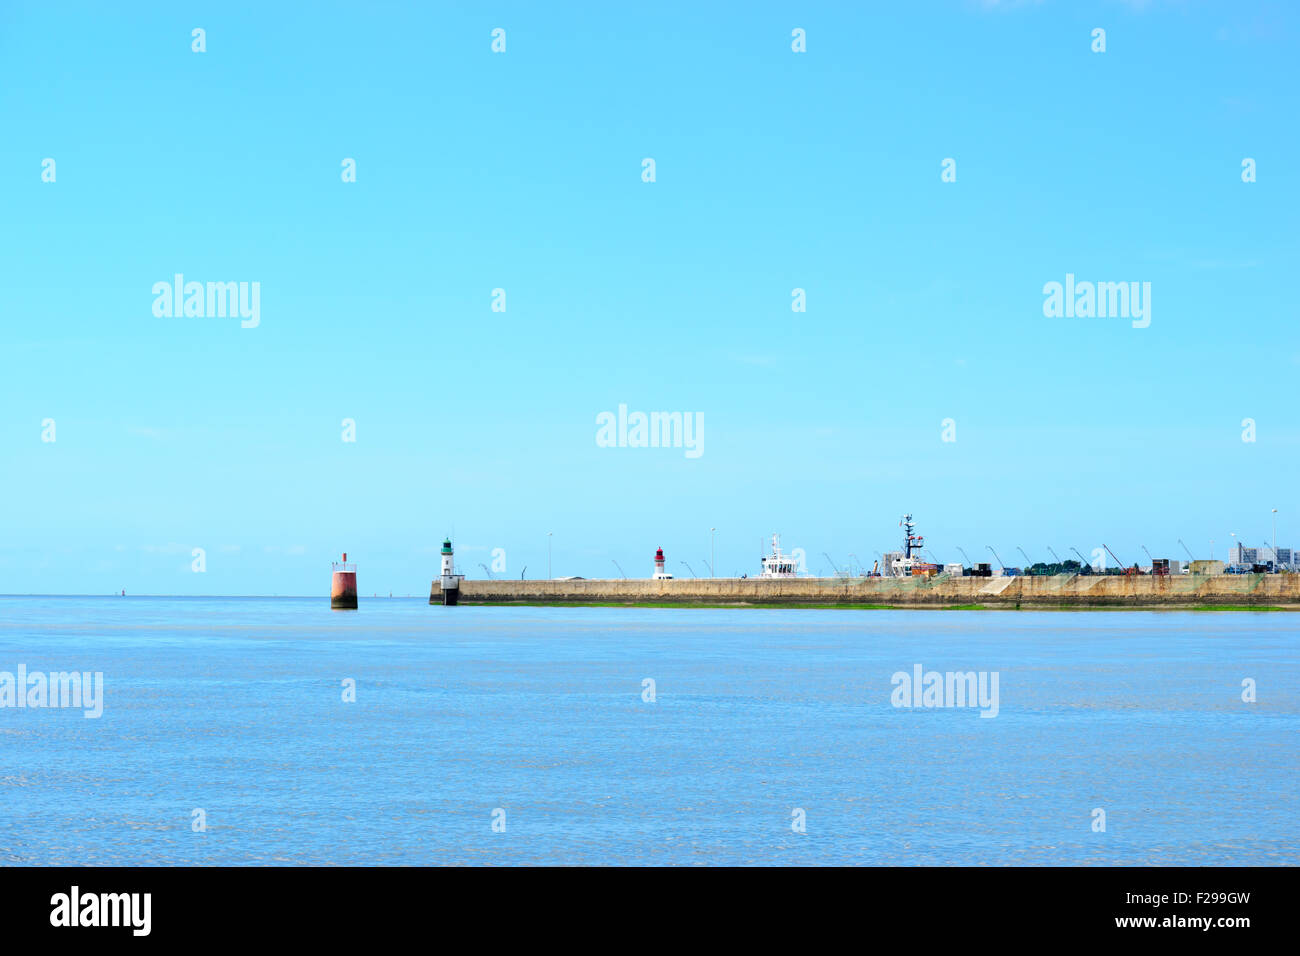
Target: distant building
(1207,567)
(955,568)
(1240,554)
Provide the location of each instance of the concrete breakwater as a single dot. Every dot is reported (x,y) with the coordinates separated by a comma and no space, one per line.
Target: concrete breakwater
(1061,590)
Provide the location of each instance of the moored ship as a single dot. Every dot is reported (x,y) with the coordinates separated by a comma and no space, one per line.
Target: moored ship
(778,565)
(908,565)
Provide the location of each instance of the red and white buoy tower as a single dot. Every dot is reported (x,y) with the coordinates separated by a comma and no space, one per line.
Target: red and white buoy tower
(343,587)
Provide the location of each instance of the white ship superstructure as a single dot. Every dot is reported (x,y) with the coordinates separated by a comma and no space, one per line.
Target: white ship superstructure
(908,565)
(778,565)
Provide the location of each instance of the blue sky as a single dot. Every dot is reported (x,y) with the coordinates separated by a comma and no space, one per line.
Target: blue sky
(522,170)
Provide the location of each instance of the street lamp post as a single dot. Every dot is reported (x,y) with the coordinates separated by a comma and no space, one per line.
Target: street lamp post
(711,530)
(1275,561)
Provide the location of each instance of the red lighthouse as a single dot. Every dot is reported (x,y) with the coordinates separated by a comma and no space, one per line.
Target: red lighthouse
(660,573)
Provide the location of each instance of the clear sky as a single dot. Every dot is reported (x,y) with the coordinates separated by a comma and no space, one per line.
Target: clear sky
(523,171)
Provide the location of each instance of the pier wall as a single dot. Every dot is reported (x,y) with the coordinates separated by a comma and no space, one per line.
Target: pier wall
(1062,590)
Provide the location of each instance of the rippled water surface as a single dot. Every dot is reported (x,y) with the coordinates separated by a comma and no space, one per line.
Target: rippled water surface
(234,706)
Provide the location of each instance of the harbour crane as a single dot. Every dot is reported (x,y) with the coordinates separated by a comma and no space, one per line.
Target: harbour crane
(966,556)
(1029,562)
(523,572)
(838,573)
(620,569)
(1055,555)
(1185,548)
(691,569)
(1081,557)
(996,558)
(1118,562)
(485,570)
(1153,560)
(709,565)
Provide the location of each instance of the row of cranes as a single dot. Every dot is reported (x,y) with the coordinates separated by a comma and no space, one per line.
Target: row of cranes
(915,544)
(1029,561)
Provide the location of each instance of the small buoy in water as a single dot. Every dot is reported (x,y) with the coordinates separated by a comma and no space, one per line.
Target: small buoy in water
(343,587)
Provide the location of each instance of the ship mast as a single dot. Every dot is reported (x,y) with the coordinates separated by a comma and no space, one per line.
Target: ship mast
(911,542)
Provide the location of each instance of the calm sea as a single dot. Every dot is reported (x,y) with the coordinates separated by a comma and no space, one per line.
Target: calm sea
(537,719)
